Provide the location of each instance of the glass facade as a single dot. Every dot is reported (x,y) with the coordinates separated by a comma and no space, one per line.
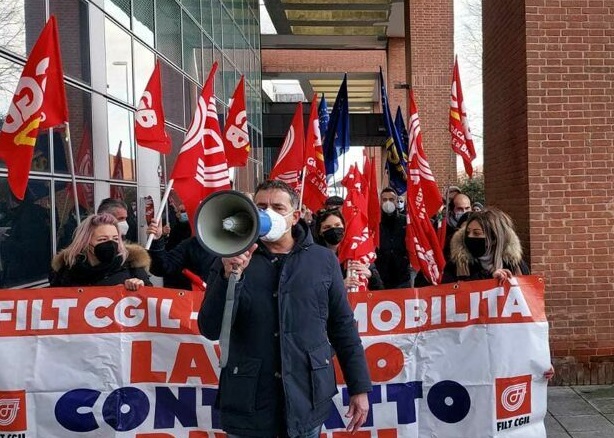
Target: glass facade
(109,48)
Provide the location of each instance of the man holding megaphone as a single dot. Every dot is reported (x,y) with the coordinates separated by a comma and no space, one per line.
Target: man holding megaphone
(290,310)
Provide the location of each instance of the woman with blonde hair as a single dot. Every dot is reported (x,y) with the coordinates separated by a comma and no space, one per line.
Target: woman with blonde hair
(486,246)
(97,256)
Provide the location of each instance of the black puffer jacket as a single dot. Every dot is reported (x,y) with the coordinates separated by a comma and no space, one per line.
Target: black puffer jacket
(111,274)
(289,309)
(188,254)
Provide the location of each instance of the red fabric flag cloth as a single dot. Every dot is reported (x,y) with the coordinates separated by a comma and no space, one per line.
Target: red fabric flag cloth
(83,166)
(422,171)
(315,189)
(117,192)
(201,167)
(39,103)
(149,118)
(236,134)
(423,201)
(290,160)
(462,142)
(374,212)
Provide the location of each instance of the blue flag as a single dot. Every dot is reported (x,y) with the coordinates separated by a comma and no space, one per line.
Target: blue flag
(395,163)
(399,123)
(337,139)
(323,116)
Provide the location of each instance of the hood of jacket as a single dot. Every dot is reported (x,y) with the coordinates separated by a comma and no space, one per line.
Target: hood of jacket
(138,257)
(462,258)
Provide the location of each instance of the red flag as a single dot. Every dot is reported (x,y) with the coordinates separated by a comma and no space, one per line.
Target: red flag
(39,103)
(291,156)
(149,118)
(315,189)
(423,200)
(236,135)
(462,142)
(422,171)
(373,208)
(201,167)
(83,166)
(117,192)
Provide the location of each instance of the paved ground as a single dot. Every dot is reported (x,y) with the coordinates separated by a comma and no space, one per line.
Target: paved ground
(580,411)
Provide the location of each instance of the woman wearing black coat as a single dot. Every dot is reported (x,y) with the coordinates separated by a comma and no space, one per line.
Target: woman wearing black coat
(98,257)
(487,246)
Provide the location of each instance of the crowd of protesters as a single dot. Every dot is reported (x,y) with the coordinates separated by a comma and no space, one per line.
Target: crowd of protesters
(480,243)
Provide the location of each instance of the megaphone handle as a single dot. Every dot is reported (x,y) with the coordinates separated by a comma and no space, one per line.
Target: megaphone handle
(227,318)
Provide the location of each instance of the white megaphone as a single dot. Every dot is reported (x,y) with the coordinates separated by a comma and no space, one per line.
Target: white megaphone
(228,223)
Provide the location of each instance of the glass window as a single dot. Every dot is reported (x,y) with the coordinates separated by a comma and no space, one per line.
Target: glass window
(192,48)
(73,29)
(65,209)
(177,137)
(193,7)
(228,38)
(80,110)
(121,143)
(118,46)
(144,63)
(14,35)
(25,234)
(168,29)
(143,22)
(219,83)
(207,55)
(172,90)
(216,16)
(206,16)
(192,93)
(118,9)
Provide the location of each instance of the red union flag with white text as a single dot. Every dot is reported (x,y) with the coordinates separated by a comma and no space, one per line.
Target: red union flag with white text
(315,189)
(39,103)
(236,135)
(290,159)
(462,142)
(201,167)
(149,118)
(423,200)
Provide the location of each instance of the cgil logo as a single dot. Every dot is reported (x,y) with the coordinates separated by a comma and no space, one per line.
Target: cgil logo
(513,396)
(13,413)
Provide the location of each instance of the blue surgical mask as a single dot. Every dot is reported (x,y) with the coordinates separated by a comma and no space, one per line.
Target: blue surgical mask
(183,217)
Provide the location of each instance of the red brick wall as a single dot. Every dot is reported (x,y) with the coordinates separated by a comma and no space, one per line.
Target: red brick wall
(432,59)
(322,61)
(505,111)
(567,141)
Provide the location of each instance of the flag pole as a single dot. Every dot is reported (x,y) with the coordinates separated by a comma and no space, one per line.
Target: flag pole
(167,192)
(300,203)
(72,172)
(165,207)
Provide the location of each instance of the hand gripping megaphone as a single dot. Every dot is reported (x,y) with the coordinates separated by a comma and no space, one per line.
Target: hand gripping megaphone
(228,223)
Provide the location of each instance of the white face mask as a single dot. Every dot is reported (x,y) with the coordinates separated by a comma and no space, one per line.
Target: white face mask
(279,227)
(388,207)
(400,205)
(123,227)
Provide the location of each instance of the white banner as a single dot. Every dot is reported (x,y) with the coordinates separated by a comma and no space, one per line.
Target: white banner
(455,361)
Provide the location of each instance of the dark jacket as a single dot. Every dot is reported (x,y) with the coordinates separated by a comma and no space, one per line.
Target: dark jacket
(464,267)
(114,273)
(289,309)
(188,254)
(392,260)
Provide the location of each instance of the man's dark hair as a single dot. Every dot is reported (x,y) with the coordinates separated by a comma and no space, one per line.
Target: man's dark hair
(388,190)
(279,185)
(334,201)
(109,204)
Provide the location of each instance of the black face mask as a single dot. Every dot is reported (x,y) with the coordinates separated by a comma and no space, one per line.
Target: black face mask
(333,236)
(476,246)
(105,252)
